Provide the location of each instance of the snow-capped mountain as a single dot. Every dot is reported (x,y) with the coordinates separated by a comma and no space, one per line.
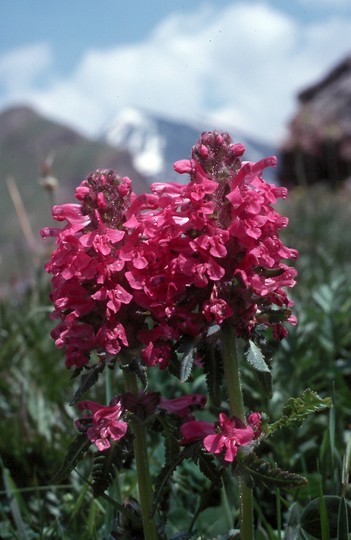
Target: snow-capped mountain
(155,143)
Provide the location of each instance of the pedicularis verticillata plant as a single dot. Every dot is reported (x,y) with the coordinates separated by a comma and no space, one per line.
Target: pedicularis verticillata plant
(180,279)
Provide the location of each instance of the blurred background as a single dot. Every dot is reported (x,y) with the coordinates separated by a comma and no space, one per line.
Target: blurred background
(130,86)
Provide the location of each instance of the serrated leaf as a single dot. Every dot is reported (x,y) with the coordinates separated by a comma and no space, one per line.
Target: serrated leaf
(75,452)
(170,431)
(271,477)
(213,332)
(108,462)
(87,381)
(299,408)
(163,478)
(103,471)
(255,358)
(208,467)
(187,362)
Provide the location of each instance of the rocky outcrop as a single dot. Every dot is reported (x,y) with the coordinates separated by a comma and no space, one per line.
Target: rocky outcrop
(318,146)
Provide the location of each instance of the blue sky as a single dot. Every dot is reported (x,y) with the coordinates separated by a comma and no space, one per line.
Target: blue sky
(235,63)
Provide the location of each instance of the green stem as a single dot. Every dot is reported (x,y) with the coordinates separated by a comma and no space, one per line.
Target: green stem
(236,407)
(142,463)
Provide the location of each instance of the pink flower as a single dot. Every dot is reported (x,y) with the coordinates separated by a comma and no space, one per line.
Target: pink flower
(225,436)
(232,434)
(104,423)
(196,430)
(181,405)
(254,420)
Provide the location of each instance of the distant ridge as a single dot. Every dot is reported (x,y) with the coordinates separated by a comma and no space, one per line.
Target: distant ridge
(156,142)
(26,140)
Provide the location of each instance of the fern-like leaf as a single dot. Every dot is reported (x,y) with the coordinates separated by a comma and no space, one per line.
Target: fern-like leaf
(104,471)
(108,462)
(255,358)
(271,477)
(188,350)
(298,409)
(208,467)
(75,453)
(87,381)
(163,478)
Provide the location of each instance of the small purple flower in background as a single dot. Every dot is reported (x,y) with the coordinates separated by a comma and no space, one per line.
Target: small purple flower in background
(181,406)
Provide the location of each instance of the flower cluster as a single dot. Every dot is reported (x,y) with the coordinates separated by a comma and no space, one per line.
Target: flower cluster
(145,271)
(212,249)
(88,283)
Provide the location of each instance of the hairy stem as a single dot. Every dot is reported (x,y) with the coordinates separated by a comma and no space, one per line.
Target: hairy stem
(142,463)
(236,407)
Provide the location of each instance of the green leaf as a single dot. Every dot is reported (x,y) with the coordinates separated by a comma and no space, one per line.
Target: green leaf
(76,450)
(298,409)
(208,467)
(163,478)
(346,465)
(108,462)
(87,381)
(170,432)
(271,477)
(266,382)
(323,513)
(104,470)
(256,359)
(14,499)
(189,353)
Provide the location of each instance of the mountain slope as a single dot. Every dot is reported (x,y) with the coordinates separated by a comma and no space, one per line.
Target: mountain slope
(26,140)
(156,143)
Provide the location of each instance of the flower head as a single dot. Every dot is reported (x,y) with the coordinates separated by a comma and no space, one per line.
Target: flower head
(224,436)
(103,424)
(90,293)
(212,250)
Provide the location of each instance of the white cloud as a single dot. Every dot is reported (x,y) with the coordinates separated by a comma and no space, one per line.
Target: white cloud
(20,68)
(241,64)
(335,4)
